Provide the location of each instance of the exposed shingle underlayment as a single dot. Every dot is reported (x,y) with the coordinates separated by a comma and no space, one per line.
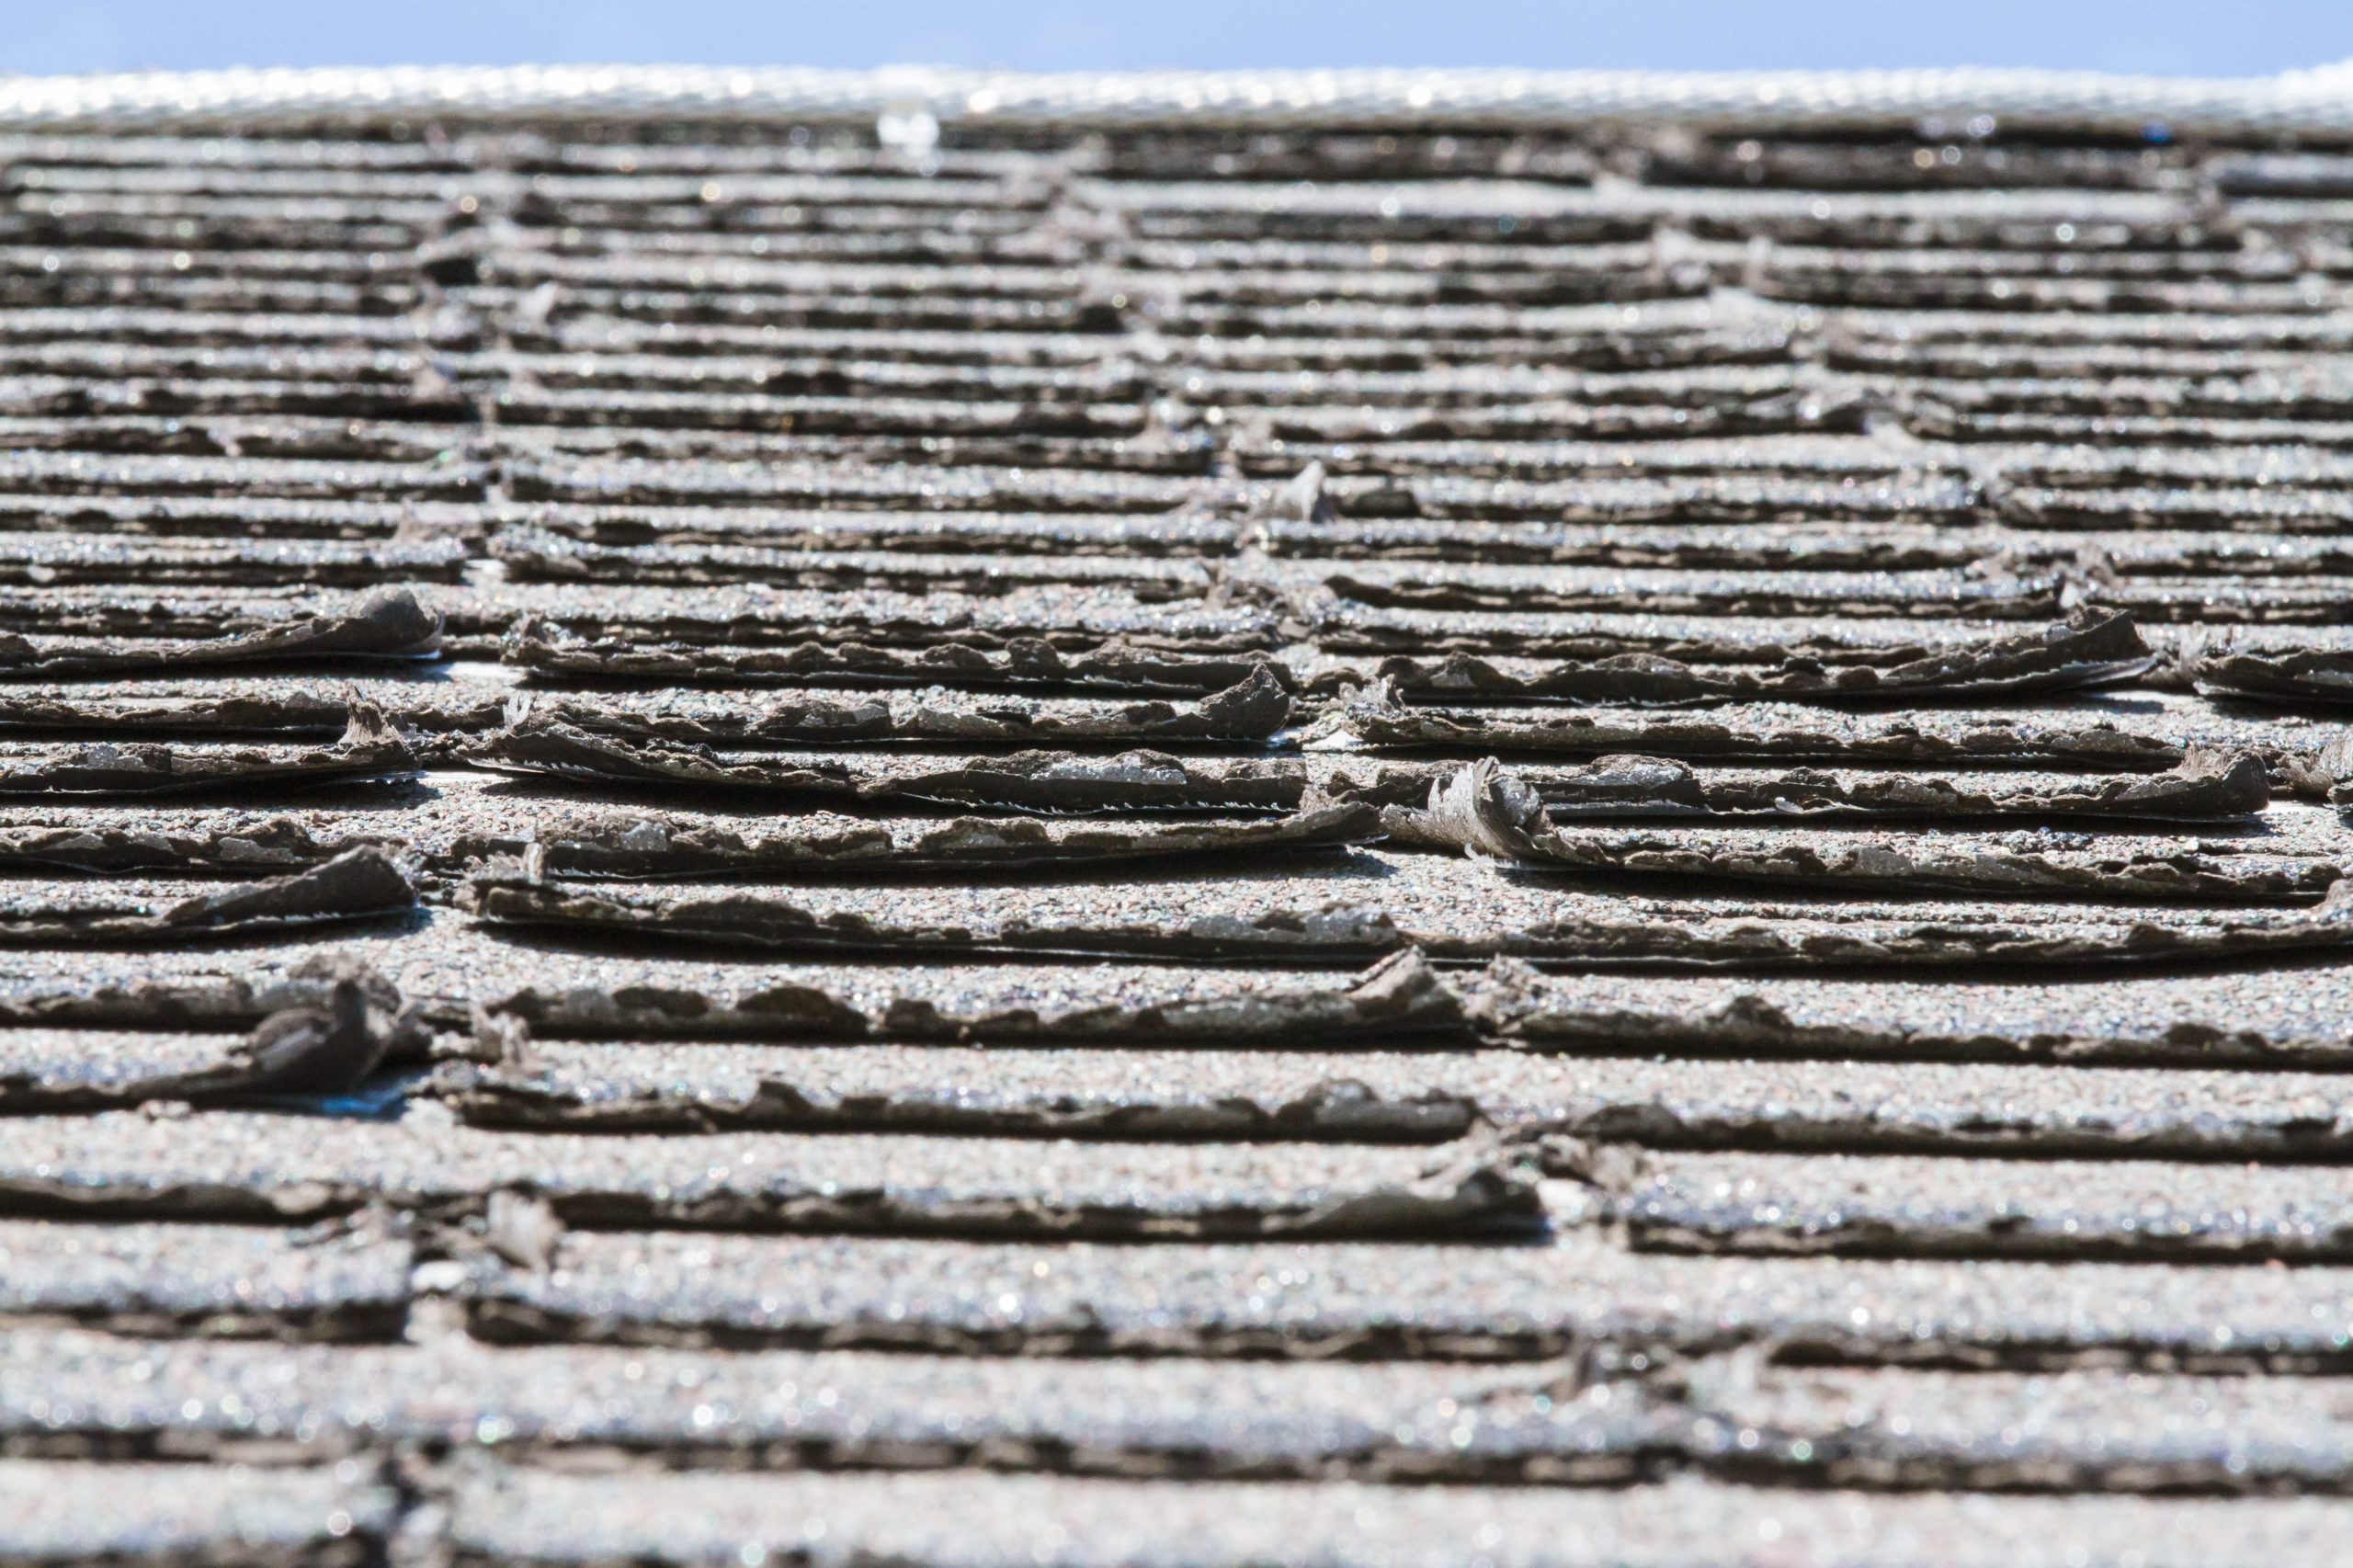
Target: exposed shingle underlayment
(1351,818)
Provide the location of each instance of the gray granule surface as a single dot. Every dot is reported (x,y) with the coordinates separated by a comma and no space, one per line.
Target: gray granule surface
(1388,1299)
(1177,1418)
(2066,1428)
(2252,1018)
(1376,903)
(1169,1417)
(63,1069)
(721,842)
(2110,733)
(974,1521)
(2296,1018)
(212,1280)
(64,1512)
(1957,1207)
(1405,1095)
(261,1168)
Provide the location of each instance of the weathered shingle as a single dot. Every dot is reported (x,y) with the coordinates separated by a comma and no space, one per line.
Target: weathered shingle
(736,780)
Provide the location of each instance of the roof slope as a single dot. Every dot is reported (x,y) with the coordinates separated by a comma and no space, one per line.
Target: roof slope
(1358,819)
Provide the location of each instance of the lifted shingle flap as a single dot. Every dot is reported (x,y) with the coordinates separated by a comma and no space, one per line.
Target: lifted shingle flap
(360,884)
(1484,810)
(2322,678)
(47,558)
(1056,782)
(371,748)
(651,847)
(2084,735)
(297,1057)
(241,704)
(2091,650)
(1401,1095)
(389,623)
(1393,1300)
(1173,1095)
(1251,709)
(1374,904)
(1075,617)
(548,651)
(1398,1002)
(231,1166)
(2207,787)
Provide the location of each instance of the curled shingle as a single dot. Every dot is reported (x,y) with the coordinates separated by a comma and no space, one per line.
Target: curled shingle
(2092,649)
(1487,811)
(548,651)
(389,623)
(650,845)
(364,883)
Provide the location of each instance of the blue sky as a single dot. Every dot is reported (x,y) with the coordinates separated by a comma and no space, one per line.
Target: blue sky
(2164,37)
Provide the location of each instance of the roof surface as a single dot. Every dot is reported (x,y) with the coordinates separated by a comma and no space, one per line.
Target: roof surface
(1359,820)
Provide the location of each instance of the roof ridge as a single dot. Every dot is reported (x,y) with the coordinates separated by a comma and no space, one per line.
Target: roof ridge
(2314,100)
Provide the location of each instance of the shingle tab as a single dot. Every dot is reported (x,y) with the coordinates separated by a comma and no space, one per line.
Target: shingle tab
(258,1167)
(1386,1301)
(55,1512)
(974,1521)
